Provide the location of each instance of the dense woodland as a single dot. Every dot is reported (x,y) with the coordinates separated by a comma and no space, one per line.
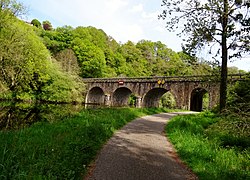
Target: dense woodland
(39,62)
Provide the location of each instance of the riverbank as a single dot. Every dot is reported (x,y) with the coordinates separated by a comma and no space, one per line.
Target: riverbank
(61,149)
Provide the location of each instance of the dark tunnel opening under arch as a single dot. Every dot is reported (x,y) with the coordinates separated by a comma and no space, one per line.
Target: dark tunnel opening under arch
(152,98)
(199,99)
(95,96)
(121,97)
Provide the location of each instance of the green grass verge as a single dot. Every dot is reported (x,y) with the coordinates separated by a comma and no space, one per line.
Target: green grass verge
(61,149)
(210,146)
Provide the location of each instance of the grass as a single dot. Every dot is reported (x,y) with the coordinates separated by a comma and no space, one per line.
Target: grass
(211,147)
(61,149)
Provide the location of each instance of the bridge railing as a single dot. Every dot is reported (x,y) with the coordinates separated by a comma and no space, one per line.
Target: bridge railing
(231,77)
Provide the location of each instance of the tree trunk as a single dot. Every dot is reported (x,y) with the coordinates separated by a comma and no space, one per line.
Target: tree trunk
(223,82)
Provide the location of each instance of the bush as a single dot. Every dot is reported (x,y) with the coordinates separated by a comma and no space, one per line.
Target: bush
(239,97)
(36,23)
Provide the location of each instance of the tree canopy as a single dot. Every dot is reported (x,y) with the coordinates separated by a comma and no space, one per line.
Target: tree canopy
(36,23)
(99,55)
(27,69)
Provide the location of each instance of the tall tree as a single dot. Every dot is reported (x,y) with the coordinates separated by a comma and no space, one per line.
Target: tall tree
(68,61)
(207,22)
(12,6)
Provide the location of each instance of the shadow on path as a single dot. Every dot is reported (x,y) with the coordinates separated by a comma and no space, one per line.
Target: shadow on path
(140,151)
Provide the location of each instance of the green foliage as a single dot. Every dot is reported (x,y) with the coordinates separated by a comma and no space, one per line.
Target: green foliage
(91,59)
(58,39)
(60,86)
(168,101)
(36,23)
(99,55)
(11,7)
(61,149)
(27,71)
(134,60)
(205,142)
(132,100)
(231,132)
(22,55)
(239,97)
(68,61)
(235,70)
(201,29)
(205,102)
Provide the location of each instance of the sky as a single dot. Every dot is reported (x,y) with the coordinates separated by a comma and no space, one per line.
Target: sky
(124,20)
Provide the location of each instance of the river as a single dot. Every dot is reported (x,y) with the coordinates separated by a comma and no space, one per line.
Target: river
(14,115)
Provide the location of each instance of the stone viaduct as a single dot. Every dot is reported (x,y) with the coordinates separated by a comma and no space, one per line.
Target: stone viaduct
(188,91)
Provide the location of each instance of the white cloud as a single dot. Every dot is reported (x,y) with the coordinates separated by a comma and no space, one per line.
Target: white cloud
(137,8)
(159,29)
(152,16)
(133,31)
(112,6)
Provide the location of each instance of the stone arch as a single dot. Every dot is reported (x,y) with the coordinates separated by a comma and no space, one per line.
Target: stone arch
(95,96)
(152,97)
(120,96)
(196,99)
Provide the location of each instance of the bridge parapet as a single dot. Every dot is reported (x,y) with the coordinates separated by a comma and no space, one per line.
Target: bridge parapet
(231,77)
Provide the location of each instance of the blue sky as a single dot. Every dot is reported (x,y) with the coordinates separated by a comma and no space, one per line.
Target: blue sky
(122,19)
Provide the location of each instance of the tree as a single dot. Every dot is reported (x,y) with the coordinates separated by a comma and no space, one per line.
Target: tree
(13,7)
(68,61)
(207,22)
(148,51)
(239,96)
(47,26)
(136,63)
(27,70)
(91,58)
(58,39)
(36,23)
(21,55)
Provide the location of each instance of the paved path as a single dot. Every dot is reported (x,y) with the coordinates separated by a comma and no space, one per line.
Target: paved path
(140,151)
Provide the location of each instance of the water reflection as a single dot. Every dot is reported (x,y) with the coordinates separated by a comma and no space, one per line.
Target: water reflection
(20,115)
